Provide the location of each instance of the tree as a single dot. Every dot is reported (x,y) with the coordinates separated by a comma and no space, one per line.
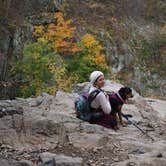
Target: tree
(61,35)
(90,58)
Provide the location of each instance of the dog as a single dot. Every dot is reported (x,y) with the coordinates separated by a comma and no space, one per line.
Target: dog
(117,100)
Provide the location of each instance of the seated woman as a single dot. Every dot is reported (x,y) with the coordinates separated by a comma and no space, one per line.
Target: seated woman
(101,102)
(107,104)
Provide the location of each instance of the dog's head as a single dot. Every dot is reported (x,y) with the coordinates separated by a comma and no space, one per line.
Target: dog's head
(125,92)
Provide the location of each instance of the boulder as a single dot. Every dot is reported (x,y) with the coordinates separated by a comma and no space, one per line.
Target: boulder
(142,161)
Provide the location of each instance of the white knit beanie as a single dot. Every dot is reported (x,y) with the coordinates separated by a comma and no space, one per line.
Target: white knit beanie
(94,76)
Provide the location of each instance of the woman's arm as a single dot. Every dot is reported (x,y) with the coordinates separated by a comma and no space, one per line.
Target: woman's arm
(104,102)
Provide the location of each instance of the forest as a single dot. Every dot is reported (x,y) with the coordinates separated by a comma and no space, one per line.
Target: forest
(50,45)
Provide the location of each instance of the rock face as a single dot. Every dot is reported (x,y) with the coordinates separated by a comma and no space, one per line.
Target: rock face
(44,131)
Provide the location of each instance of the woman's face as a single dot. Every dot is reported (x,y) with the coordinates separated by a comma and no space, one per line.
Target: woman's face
(100,81)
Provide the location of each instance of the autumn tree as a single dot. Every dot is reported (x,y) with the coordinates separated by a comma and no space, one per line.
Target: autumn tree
(94,51)
(90,58)
(60,35)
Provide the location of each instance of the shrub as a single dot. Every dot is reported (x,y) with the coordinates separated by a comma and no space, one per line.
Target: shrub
(37,69)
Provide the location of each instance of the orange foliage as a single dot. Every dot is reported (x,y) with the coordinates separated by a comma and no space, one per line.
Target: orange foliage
(94,50)
(164,27)
(61,35)
(88,40)
(100,60)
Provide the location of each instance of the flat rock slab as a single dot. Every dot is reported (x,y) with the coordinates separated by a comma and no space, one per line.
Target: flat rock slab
(10,162)
(87,140)
(158,105)
(142,161)
(60,160)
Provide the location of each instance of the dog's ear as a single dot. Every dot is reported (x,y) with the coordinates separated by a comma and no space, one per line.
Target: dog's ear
(122,90)
(127,89)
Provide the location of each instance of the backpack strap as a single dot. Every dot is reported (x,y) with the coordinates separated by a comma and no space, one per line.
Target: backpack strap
(93,95)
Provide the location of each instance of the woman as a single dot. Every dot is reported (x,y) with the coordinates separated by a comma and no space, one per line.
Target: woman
(101,102)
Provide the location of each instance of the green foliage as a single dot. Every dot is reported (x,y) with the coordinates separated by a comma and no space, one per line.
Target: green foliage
(88,59)
(41,69)
(151,52)
(82,66)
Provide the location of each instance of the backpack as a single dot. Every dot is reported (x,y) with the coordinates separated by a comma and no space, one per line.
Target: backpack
(82,105)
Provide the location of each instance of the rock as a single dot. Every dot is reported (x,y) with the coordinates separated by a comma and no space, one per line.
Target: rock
(9,162)
(87,140)
(26,163)
(159,155)
(79,88)
(51,125)
(61,160)
(7,108)
(31,102)
(158,105)
(138,151)
(48,163)
(39,100)
(142,161)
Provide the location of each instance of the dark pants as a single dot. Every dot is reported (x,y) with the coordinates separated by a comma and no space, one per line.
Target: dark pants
(107,120)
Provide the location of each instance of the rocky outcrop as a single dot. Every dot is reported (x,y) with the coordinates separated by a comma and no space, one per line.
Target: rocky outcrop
(59,160)
(44,131)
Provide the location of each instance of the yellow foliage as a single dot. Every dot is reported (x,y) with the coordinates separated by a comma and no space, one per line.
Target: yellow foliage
(41,39)
(164,27)
(60,35)
(89,41)
(63,80)
(68,82)
(100,61)
(59,17)
(94,49)
(38,30)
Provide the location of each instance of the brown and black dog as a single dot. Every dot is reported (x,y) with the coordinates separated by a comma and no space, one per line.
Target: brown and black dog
(117,100)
